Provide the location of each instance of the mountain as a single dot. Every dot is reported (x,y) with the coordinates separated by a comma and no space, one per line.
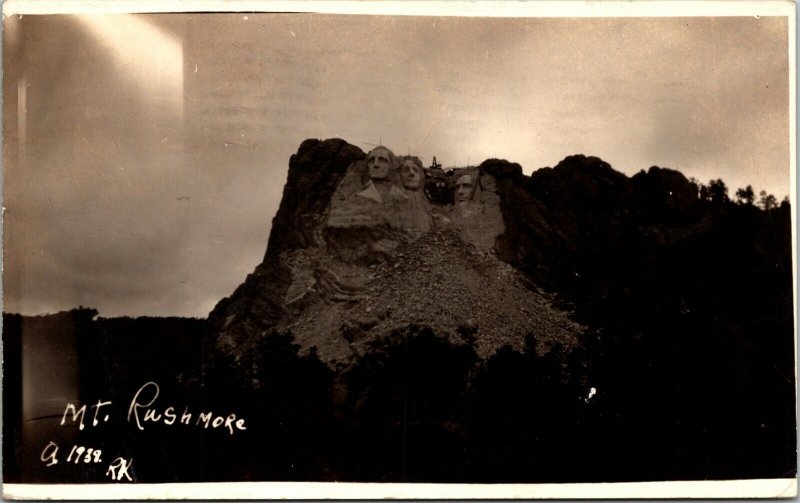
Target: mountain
(352,257)
(355,256)
(478,324)
(472,325)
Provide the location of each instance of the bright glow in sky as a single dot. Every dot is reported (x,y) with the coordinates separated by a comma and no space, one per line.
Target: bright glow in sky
(154,56)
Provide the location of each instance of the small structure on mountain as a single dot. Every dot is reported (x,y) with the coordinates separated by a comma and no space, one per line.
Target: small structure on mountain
(436,186)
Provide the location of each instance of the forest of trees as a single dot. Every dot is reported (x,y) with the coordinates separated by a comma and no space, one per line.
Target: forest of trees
(716,192)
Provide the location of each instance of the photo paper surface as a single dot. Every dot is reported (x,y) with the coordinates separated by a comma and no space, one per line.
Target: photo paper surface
(391,250)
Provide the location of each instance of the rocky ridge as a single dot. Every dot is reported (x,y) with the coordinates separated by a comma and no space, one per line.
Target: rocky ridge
(359,251)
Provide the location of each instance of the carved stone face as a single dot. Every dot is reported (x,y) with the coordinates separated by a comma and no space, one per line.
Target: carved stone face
(411,175)
(464,188)
(379,162)
(488,182)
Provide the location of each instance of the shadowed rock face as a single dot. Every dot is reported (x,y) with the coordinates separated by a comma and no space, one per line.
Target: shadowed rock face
(359,250)
(257,304)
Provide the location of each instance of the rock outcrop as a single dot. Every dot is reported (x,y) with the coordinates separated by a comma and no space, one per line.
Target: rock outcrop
(360,250)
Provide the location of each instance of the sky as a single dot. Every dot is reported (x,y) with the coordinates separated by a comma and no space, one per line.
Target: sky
(145,155)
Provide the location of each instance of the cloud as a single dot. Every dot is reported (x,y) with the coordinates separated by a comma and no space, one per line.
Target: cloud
(120,199)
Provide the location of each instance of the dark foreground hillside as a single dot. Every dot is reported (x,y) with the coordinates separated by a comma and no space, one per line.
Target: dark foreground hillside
(685,369)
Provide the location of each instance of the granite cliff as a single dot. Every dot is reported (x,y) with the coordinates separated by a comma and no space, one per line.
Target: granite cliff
(364,245)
